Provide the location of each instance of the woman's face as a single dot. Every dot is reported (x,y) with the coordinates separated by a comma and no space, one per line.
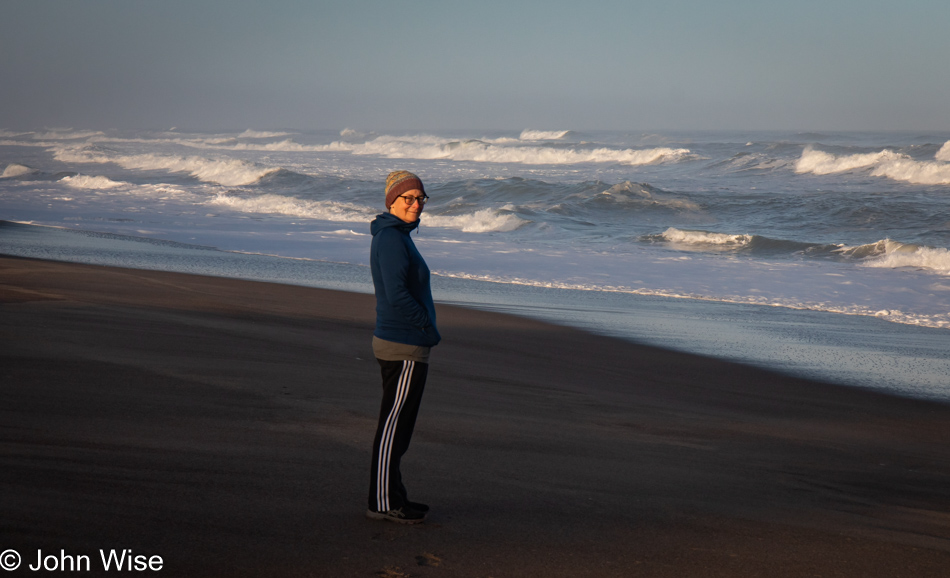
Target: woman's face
(402,209)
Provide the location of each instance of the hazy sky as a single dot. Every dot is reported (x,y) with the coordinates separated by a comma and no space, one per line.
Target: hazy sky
(552,64)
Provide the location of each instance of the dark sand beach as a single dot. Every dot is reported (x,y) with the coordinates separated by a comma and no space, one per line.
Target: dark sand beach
(226,426)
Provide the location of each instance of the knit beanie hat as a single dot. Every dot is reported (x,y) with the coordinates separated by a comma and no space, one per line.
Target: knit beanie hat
(398,182)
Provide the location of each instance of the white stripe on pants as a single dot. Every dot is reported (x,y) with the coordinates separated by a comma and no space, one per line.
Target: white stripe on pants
(389,432)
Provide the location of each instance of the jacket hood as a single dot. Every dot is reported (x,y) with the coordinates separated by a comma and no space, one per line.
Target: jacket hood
(387,220)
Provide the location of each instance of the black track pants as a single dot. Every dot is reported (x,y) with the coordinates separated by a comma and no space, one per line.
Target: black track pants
(403,383)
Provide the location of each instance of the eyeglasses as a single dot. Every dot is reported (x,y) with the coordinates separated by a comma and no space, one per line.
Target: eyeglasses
(411,199)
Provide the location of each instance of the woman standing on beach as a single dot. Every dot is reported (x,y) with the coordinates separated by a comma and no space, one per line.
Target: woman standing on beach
(405,331)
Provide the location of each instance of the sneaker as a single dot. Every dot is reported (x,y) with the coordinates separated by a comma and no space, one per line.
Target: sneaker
(402,515)
(417,506)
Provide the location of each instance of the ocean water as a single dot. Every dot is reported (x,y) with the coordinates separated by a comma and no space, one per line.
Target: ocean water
(739,236)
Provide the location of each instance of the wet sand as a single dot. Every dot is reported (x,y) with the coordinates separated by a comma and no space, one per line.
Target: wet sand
(226,426)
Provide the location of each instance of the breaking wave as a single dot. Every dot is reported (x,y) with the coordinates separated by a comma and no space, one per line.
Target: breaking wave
(528,134)
(708,241)
(944,153)
(286,145)
(917,172)
(886,163)
(432,148)
(822,163)
(66,134)
(261,134)
(91,182)
(481,221)
(885,253)
(894,254)
(228,172)
(686,237)
(281,205)
(221,143)
(16,170)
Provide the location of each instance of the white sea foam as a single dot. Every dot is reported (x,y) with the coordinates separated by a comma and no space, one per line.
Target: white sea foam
(16,170)
(482,221)
(347,233)
(885,163)
(944,153)
(228,172)
(528,134)
(281,205)
(939,320)
(91,182)
(686,237)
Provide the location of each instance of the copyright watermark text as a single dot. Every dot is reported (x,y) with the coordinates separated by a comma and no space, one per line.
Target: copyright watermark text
(109,560)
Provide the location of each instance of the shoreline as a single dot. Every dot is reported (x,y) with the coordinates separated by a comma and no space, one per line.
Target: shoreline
(224,424)
(859,351)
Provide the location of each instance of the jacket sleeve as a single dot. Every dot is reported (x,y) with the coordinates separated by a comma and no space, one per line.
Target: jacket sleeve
(393,260)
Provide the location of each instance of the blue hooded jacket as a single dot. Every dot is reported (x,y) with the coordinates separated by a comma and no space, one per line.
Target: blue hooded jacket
(404,309)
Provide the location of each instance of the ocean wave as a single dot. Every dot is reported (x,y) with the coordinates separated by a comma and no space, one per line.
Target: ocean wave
(261,134)
(528,134)
(886,163)
(351,135)
(709,241)
(431,148)
(286,145)
(917,172)
(746,161)
(891,254)
(222,143)
(629,192)
(16,170)
(482,221)
(91,182)
(885,253)
(944,153)
(280,205)
(822,163)
(66,134)
(200,142)
(427,147)
(26,143)
(228,172)
(701,238)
